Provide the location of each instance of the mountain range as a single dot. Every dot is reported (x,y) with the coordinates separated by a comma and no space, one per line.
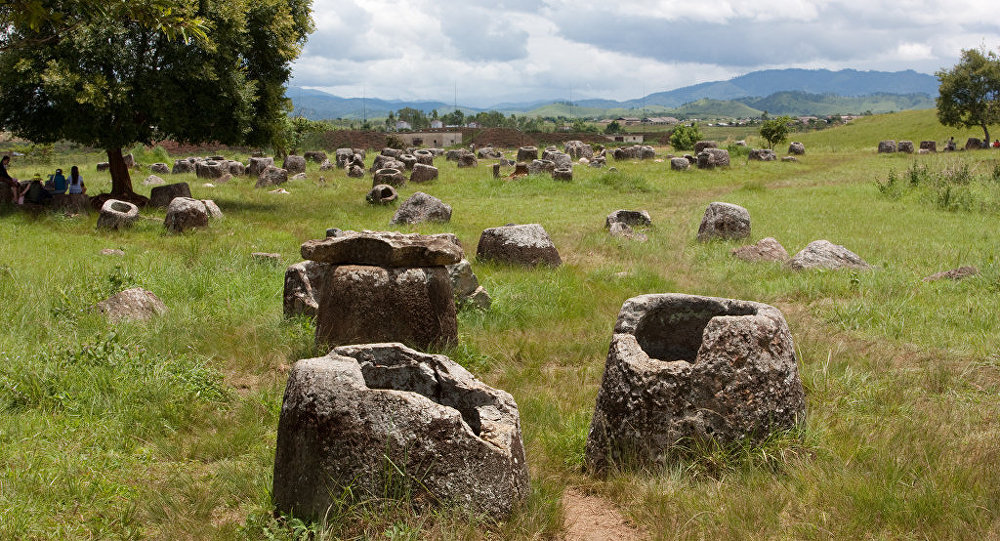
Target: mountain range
(784,91)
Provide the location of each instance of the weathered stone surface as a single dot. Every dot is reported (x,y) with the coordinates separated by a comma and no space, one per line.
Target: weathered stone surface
(684,368)
(117,214)
(527,154)
(421,207)
(136,304)
(468,160)
(796,148)
(625,231)
(356,171)
(702,145)
(930,146)
(424,156)
(235,169)
(182,166)
(789,159)
(327,165)
(303,283)
(711,158)
(886,147)
(975,143)
(409,160)
(382,194)
(294,164)
(185,213)
(272,176)
(390,176)
(258,166)
(364,304)
(103,166)
(383,161)
(905,146)
(384,249)
(213,210)
(153,180)
(564,174)
(342,156)
(423,173)
(453,154)
(526,244)
(538,167)
(465,285)
(679,164)
(766,249)
(724,221)
(629,217)
(823,254)
(161,196)
(640,152)
(266,257)
(488,153)
(578,149)
(361,414)
(159,169)
(598,162)
(763,155)
(211,169)
(960,273)
(316,156)
(299,176)
(561,159)
(72,203)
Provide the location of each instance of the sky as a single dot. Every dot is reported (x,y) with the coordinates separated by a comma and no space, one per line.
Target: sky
(497,51)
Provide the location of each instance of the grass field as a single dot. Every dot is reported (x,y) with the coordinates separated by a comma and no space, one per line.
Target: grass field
(167,429)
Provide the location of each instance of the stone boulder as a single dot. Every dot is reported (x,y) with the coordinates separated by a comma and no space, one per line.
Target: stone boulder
(327,165)
(561,159)
(409,160)
(159,169)
(356,171)
(453,154)
(465,285)
(489,153)
(236,169)
(382,194)
(710,158)
(272,176)
(423,173)
(420,208)
(117,214)
(161,196)
(526,244)
(702,145)
(211,169)
(103,166)
(960,273)
(527,154)
(823,254)
(564,174)
(303,281)
(538,167)
(578,149)
(930,146)
(342,156)
(213,210)
(384,249)
(763,155)
(629,217)
(390,176)
(72,203)
(136,304)
(185,213)
(391,152)
(316,156)
(724,221)
(886,147)
(294,164)
(182,166)
(258,165)
(153,180)
(383,161)
(679,164)
(364,418)
(767,249)
(623,230)
(683,369)
(975,143)
(468,160)
(796,148)
(905,146)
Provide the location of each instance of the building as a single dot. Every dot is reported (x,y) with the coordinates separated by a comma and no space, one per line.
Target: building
(626,138)
(431,139)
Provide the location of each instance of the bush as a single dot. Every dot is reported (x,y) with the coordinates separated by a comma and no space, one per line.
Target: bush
(684,137)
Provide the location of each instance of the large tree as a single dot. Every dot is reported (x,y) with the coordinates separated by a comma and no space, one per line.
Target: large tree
(969,95)
(114,80)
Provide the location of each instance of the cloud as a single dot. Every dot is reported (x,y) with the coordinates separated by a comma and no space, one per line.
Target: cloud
(481,36)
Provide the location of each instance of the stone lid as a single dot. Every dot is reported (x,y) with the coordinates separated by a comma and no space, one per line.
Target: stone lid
(385,249)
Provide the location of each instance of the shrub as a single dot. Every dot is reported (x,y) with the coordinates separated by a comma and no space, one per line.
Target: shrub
(684,137)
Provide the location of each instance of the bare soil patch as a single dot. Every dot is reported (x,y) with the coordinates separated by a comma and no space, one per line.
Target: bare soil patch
(592,518)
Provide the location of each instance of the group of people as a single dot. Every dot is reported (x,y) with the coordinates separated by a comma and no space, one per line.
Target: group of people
(34,191)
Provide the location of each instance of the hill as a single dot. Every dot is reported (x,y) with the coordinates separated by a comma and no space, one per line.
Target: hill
(799,103)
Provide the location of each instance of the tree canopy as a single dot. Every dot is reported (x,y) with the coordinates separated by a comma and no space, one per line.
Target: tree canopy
(111,80)
(775,130)
(969,95)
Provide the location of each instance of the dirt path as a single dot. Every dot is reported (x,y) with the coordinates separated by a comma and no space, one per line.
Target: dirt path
(591,518)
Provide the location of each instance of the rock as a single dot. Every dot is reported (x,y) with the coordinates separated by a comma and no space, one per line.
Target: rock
(886,147)
(561,159)
(420,208)
(161,196)
(488,153)
(258,165)
(743,143)
(103,166)
(384,249)
(390,176)
(702,145)
(929,146)
(724,221)
(789,159)
(356,171)
(623,230)
(279,191)
(315,156)
(71,203)
(386,162)
(424,156)
(272,176)
(468,160)
(679,164)
(391,152)
(112,251)
(562,173)
(960,273)
(519,245)
(479,300)
(465,285)
(294,164)
(598,162)
(235,169)
(213,210)
(905,146)
(342,156)
(224,178)
(763,155)
(266,257)
(327,165)
(117,214)
(975,143)
(300,176)
(527,154)
(159,169)
(711,158)
(453,154)
(823,254)
(629,217)
(767,249)
(796,148)
(538,167)
(185,213)
(684,369)
(353,419)
(409,160)
(334,232)
(366,303)
(182,166)
(578,149)
(136,304)
(153,180)
(208,185)
(641,152)
(303,281)
(423,173)
(211,169)
(691,159)
(382,194)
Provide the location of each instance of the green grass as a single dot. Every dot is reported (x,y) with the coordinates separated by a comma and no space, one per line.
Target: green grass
(166,429)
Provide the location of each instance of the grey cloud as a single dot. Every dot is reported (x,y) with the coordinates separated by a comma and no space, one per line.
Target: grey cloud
(484,36)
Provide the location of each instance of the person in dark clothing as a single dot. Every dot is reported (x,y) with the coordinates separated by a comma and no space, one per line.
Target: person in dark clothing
(36,193)
(57,183)
(8,180)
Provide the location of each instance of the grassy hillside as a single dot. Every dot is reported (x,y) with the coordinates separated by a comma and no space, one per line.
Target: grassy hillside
(166,429)
(803,103)
(706,108)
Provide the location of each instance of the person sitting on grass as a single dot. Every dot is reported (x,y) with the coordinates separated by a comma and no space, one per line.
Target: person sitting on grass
(35,193)
(56,183)
(12,184)
(996,143)
(76,184)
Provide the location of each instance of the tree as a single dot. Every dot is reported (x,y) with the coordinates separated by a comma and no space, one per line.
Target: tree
(969,94)
(775,130)
(613,127)
(115,80)
(684,137)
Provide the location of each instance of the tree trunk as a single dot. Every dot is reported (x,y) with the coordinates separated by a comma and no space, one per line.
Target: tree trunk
(121,182)
(986,134)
